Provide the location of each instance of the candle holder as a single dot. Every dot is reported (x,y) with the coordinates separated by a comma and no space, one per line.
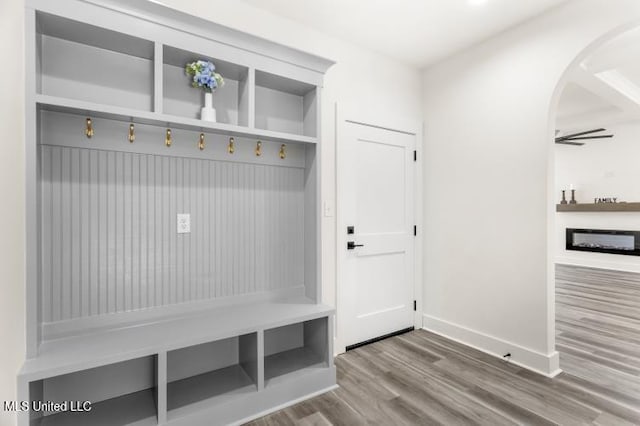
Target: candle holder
(573,197)
(564,198)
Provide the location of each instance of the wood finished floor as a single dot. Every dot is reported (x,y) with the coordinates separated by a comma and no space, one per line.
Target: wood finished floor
(420,378)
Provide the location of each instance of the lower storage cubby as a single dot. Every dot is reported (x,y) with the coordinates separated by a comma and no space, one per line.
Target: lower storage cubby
(120,394)
(212,373)
(295,349)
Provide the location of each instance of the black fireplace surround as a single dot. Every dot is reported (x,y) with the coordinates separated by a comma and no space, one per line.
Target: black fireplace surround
(604,241)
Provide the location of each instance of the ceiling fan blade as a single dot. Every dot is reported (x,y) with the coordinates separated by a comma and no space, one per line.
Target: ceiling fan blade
(570,143)
(586,138)
(583,133)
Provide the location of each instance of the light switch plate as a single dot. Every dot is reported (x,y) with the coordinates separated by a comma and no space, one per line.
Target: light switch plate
(328,209)
(184,223)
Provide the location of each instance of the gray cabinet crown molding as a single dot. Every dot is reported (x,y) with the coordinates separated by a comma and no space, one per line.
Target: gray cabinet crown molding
(158,13)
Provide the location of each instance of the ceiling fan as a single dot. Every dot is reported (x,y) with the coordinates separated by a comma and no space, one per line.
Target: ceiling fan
(570,139)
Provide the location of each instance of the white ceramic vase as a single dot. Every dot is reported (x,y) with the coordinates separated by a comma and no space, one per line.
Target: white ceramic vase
(208,112)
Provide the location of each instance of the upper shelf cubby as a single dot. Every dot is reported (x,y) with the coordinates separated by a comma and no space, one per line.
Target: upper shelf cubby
(230,101)
(84,62)
(285,105)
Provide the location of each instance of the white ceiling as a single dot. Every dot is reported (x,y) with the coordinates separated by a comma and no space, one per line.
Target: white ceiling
(579,101)
(605,88)
(418,32)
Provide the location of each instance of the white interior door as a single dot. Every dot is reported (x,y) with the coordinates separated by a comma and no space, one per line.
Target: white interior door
(376,261)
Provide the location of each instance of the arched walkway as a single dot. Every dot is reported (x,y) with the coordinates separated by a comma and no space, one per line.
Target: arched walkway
(587,51)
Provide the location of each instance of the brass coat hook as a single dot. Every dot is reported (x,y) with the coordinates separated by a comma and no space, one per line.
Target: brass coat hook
(89,130)
(201,142)
(283,152)
(232,147)
(167,139)
(258,149)
(132,133)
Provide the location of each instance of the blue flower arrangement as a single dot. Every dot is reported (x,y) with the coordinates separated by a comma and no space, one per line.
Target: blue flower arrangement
(204,75)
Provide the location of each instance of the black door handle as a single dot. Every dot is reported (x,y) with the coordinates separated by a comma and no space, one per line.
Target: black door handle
(352,244)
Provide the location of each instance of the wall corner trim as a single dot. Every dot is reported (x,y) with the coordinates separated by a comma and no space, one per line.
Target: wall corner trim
(547,365)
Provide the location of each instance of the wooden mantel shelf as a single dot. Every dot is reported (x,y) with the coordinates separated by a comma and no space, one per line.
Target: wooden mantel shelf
(599,207)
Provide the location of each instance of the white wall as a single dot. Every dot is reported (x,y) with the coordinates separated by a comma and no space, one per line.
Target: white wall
(373,83)
(600,168)
(12,193)
(488,202)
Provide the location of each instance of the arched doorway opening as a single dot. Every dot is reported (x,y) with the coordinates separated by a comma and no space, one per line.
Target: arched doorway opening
(594,93)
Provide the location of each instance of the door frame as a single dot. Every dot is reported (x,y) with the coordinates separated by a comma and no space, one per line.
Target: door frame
(344,115)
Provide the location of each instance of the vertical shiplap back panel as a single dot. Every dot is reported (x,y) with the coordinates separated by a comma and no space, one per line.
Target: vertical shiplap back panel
(110,242)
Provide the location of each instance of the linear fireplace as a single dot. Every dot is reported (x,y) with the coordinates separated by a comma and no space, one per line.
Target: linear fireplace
(604,241)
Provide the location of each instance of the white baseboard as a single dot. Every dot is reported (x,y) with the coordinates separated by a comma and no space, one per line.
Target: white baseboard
(546,364)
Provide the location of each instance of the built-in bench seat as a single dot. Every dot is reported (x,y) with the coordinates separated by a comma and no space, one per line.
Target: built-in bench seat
(230,362)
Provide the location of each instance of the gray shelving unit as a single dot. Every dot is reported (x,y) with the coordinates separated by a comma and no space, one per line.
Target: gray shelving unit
(297,103)
(130,396)
(232,103)
(216,326)
(211,373)
(137,408)
(295,349)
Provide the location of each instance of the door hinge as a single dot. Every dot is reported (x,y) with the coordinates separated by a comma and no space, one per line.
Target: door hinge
(415,230)
(415,155)
(415,305)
